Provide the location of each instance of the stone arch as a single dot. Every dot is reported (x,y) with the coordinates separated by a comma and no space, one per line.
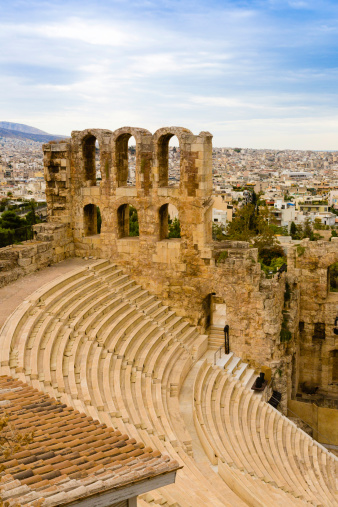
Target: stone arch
(125,216)
(84,144)
(90,220)
(120,141)
(161,141)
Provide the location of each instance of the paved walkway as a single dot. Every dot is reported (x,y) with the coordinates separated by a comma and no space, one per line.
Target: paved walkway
(13,294)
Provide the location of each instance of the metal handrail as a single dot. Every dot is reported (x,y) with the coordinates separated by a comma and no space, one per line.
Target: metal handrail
(220,353)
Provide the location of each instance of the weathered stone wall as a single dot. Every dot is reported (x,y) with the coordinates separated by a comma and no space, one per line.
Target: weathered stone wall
(52,243)
(183,272)
(318,309)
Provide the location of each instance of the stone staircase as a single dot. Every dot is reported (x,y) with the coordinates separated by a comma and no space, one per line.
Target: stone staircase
(216,337)
(239,370)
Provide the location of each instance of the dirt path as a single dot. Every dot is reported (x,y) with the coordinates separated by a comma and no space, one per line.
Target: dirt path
(12,295)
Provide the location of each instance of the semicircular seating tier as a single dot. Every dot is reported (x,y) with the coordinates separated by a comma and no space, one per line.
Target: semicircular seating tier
(249,438)
(97,341)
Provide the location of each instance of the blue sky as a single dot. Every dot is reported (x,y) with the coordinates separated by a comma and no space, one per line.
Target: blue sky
(260,74)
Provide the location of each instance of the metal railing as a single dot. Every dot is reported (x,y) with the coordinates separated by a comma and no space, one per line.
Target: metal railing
(219,350)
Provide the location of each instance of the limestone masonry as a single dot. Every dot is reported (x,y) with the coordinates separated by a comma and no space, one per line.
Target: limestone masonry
(193,276)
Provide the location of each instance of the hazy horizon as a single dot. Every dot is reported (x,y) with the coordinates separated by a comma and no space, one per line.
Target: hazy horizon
(253,73)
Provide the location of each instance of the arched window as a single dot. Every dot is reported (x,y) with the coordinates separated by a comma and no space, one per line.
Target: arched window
(127,219)
(169,160)
(169,222)
(91,220)
(334,355)
(131,181)
(333,277)
(91,159)
(126,160)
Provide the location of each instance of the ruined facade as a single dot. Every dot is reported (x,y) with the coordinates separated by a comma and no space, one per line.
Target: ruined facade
(191,272)
(184,272)
(317,310)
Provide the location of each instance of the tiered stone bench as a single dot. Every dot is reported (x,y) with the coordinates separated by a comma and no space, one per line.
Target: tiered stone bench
(97,341)
(253,443)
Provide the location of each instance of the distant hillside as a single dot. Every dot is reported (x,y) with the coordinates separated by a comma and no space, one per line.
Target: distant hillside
(19,127)
(40,138)
(24,132)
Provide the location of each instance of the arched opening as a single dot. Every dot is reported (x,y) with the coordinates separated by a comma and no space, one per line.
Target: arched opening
(127,219)
(98,163)
(91,158)
(91,220)
(334,355)
(131,180)
(170,226)
(333,277)
(219,312)
(169,161)
(126,160)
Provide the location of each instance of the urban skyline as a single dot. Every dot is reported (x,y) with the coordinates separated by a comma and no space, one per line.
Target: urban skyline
(256,74)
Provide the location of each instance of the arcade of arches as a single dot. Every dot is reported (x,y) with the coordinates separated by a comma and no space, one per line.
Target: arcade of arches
(182,270)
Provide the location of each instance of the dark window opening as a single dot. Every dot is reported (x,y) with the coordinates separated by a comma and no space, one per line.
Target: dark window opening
(301,326)
(319,331)
(91,158)
(91,220)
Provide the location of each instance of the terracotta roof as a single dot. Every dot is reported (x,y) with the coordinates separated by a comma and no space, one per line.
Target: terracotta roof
(72,456)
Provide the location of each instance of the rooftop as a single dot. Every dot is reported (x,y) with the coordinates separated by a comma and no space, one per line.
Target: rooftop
(72,456)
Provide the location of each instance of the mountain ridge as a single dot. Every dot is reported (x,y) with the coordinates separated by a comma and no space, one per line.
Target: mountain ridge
(21,127)
(26,132)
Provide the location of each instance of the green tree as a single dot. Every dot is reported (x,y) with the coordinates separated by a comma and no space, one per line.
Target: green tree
(10,220)
(31,217)
(318,224)
(218,232)
(133,222)
(307,229)
(333,275)
(296,231)
(174,228)
(282,230)
(268,254)
(13,229)
(251,223)
(333,234)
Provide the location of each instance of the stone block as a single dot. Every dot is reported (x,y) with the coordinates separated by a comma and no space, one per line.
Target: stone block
(126,192)
(23,262)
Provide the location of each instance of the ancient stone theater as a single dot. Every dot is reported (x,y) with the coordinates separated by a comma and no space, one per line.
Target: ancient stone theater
(126,334)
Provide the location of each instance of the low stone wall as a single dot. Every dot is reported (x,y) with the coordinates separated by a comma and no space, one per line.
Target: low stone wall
(50,245)
(324,421)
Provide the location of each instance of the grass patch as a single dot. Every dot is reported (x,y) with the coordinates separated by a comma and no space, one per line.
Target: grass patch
(222,257)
